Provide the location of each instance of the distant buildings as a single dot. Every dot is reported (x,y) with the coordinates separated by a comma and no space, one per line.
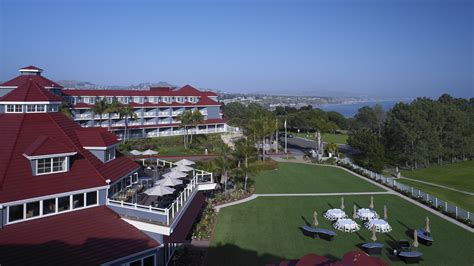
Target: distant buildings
(156,108)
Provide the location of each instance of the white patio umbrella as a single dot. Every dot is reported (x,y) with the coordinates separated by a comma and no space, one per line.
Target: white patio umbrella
(169,182)
(149,152)
(159,191)
(182,168)
(135,152)
(175,174)
(185,162)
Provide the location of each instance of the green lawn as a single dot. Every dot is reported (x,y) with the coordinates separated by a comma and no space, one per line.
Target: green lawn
(460,199)
(266,230)
(304,178)
(457,175)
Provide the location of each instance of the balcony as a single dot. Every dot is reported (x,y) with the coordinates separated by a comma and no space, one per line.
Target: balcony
(162,214)
(82,116)
(176,113)
(149,114)
(163,113)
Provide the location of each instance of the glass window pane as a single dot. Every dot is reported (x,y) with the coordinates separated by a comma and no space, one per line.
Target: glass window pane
(91,198)
(49,206)
(63,203)
(15,213)
(32,209)
(149,261)
(78,201)
(59,164)
(136,263)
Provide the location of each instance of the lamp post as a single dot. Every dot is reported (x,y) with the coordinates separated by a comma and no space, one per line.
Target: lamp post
(286,142)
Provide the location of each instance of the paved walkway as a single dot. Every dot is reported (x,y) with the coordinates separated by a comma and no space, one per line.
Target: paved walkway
(437,185)
(299,159)
(254,196)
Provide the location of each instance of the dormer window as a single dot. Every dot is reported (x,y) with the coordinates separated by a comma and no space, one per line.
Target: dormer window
(110,154)
(51,165)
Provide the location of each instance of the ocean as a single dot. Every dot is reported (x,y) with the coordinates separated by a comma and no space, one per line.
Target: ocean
(350,109)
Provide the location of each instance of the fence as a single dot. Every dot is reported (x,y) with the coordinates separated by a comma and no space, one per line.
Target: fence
(430,200)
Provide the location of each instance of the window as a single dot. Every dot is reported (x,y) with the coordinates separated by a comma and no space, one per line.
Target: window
(91,198)
(110,154)
(31,108)
(15,213)
(64,204)
(32,209)
(51,165)
(18,108)
(78,201)
(49,206)
(148,261)
(40,108)
(10,108)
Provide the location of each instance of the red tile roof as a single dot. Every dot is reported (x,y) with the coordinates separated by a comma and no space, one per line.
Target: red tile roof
(44,145)
(86,237)
(20,80)
(96,137)
(30,92)
(153,91)
(20,131)
(31,68)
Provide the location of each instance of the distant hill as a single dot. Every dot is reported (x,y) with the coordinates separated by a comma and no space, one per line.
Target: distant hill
(89,85)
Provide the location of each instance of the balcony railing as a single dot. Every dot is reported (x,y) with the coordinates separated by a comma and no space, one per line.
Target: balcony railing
(163,113)
(149,114)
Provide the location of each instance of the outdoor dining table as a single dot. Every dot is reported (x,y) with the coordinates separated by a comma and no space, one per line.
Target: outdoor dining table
(366,214)
(346,225)
(380,225)
(334,214)
(373,248)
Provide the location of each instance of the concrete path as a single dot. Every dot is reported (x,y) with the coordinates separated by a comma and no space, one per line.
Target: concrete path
(388,190)
(436,185)
(254,196)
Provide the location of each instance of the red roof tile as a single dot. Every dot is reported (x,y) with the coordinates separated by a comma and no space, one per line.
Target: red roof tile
(96,137)
(31,68)
(17,182)
(153,91)
(44,145)
(20,80)
(30,92)
(86,237)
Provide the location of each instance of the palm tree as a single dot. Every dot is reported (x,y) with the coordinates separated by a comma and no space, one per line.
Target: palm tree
(223,163)
(243,150)
(196,118)
(65,109)
(186,118)
(100,108)
(127,112)
(113,108)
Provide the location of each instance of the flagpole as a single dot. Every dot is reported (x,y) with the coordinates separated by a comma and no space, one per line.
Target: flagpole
(286,141)
(276,135)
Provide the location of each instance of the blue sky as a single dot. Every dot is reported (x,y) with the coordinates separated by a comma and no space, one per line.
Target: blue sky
(382,48)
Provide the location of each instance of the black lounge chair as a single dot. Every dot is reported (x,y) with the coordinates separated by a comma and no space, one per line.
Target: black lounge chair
(372,248)
(424,238)
(318,232)
(410,256)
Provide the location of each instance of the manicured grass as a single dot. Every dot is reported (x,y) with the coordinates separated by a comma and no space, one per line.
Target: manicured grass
(460,199)
(266,230)
(304,178)
(327,137)
(458,175)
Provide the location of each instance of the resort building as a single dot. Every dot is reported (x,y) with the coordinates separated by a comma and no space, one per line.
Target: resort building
(156,109)
(68,197)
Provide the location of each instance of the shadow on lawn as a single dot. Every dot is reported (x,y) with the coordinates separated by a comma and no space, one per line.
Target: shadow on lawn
(305,221)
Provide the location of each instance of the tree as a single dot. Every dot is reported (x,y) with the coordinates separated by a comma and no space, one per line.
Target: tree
(186,119)
(224,163)
(332,148)
(243,150)
(338,119)
(126,112)
(113,108)
(370,146)
(196,119)
(65,109)
(100,108)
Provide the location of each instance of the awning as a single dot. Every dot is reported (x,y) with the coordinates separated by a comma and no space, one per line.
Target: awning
(186,222)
